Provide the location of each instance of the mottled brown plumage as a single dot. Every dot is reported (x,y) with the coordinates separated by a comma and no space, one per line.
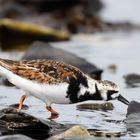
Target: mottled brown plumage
(42,71)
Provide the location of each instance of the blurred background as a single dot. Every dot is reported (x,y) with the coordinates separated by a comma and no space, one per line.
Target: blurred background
(101,37)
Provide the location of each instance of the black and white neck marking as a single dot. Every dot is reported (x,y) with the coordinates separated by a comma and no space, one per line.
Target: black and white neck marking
(90,89)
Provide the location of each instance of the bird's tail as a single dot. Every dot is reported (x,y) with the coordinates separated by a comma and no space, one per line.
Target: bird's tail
(7,63)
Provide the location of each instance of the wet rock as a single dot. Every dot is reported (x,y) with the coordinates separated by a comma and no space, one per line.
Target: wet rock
(133,117)
(24,107)
(40,50)
(17,33)
(15,137)
(75,131)
(105,134)
(133,107)
(96,106)
(13,122)
(132,80)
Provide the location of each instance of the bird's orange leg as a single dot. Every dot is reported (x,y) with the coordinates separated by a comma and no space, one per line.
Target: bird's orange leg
(21,102)
(54,114)
(50,109)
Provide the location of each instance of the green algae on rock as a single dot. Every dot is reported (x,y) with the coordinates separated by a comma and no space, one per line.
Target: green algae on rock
(105,134)
(96,106)
(18,35)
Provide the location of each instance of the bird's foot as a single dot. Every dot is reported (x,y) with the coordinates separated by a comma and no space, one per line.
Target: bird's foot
(50,109)
(54,114)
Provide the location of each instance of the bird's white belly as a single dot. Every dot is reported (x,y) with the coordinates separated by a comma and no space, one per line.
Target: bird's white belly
(48,93)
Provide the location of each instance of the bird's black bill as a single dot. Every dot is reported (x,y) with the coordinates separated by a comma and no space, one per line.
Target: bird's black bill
(123,100)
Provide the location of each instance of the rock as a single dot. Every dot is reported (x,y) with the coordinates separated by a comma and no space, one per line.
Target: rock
(133,117)
(105,134)
(133,107)
(132,79)
(15,137)
(13,122)
(92,6)
(24,107)
(40,50)
(95,106)
(75,131)
(14,33)
(74,16)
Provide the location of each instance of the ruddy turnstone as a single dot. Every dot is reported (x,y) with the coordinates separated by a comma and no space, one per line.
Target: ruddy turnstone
(56,82)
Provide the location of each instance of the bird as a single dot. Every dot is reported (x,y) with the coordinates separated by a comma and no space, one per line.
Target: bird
(56,82)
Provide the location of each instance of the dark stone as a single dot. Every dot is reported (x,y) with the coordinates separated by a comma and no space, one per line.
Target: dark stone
(132,79)
(133,117)
(24,107)
(15,137)
(133,107)
(95,106)
(13,122)
(41,50)
(91,6)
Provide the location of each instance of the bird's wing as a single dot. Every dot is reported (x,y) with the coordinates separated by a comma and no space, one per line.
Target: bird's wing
(44,71)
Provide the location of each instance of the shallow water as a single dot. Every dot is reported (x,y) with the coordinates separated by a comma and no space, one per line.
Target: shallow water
(121,49)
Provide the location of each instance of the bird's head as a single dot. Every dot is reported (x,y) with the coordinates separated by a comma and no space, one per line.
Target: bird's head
(109,91)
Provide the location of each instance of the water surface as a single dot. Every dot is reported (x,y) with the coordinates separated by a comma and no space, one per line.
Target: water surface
(121,49)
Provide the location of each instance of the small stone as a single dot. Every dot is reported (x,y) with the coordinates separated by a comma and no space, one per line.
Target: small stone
(15,137)
(96,106)
(132,120)
(105,134)
(75,131)
(133,107)
(112,68)
(132,79)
